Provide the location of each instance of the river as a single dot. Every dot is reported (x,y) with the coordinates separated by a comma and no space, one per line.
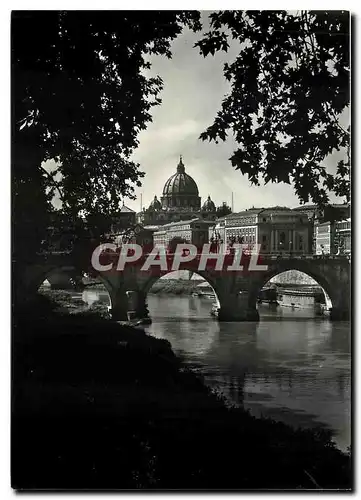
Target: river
(291,365)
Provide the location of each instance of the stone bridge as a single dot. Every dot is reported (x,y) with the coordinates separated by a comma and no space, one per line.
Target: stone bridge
(236,291)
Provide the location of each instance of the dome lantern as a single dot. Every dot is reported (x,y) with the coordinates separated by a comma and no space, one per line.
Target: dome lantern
(180,166)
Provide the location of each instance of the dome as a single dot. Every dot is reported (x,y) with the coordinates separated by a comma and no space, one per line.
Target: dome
(208,205)
(156,204)
(180,183)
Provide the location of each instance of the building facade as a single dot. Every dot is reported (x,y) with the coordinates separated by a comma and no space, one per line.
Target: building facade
(195,231)
(275,229)
(325,238)
(333,237)
(332,212)
(136,234)
(125,218)
(343,236)
(329,214)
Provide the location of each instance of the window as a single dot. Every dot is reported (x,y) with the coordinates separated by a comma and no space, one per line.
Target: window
(264,238)
(282,241)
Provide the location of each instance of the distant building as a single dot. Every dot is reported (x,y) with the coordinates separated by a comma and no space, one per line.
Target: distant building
(330,213)
(325,238)
(312,211)
(195,231)
(343,236)
(180,201)
(333,237)
(125,218)
(136,234)
(276,229)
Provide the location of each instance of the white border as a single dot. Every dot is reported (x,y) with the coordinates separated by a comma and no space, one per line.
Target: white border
(5,8)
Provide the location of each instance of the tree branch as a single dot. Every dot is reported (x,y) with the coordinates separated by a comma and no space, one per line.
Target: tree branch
(54,183)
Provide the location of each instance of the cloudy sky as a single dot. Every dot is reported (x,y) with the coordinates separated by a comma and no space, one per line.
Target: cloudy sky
(193,91)
(194,88)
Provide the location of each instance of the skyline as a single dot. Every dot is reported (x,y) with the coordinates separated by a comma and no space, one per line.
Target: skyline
(193,91)
(139,202)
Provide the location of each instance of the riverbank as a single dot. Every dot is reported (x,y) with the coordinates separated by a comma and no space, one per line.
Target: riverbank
(175,287)
(162,286)
(70,302)
(99,405)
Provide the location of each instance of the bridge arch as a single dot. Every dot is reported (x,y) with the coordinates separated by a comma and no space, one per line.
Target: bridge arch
(146,286)
(324,280)
(38,274)
(151,280)
(332,274)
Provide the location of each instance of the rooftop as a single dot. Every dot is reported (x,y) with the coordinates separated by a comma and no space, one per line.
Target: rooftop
(179,223)
(255,211)
(251,211)
(315,207)
(126,209)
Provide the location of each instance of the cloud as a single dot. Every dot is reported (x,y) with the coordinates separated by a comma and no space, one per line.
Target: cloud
(194,88)
(169,135)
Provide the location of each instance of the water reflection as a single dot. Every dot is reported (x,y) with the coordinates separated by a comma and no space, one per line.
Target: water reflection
(296,370)
(291,366)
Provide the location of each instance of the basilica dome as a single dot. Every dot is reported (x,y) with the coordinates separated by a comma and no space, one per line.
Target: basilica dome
(209,206)
(181,190)
(180,183)
(155,204)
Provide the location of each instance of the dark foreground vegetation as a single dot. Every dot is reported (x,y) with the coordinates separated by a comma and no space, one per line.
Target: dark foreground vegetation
(64,303)
(96,405)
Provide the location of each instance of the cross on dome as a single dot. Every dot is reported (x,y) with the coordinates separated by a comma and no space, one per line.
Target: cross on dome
(180,167)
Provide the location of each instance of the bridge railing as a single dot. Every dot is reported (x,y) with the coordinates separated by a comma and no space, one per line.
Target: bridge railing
(270,256)
(310,256)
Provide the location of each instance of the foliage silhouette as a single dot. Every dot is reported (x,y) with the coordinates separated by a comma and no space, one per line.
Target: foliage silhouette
(99,405)
(80,96)
(289,86)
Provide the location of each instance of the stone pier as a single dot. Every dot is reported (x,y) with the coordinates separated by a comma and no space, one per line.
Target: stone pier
(237,292)
(237,308)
